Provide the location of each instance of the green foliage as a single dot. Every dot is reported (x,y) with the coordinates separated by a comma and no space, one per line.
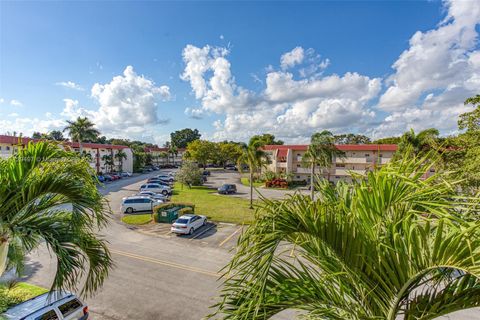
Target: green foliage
(189,174)
(185,208)
(201,151)
(35,186)
(320,152)
(20,292)
(391,245)
(137,219)
(181,138)
(227,152)
(471,120)
(81,129)
(138,160)
(389,140)
(266,139)
(351,138)
(417,144)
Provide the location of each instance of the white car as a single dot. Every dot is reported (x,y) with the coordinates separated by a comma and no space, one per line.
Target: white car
(153,195)
(157,188)
(138,204)
(188,223)
(165,177)
(60,305)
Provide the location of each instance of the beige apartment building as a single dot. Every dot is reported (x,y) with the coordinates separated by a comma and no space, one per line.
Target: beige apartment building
(358,158)
(10,145)
(158,156)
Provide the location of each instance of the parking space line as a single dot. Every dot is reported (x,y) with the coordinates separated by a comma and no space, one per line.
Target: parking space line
(198,235)
(165,263)
(229,237)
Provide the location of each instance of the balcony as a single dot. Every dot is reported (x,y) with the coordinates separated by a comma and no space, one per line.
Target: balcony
(354,160)
(281,164)
(302,170)
(347,172)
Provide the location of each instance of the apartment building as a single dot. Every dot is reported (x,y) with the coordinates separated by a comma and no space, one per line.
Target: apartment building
(10,145)
(358,158)
(159,158)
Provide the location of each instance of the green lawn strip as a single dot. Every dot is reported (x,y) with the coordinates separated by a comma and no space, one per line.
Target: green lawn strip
(245,182)
(208,202)
(17,294)
(137,219)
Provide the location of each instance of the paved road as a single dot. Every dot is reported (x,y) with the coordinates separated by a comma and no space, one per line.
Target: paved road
(157,275)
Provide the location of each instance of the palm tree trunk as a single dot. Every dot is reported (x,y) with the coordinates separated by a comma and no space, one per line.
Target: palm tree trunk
(251,188)
(3,255)
(80,147)
(312,181)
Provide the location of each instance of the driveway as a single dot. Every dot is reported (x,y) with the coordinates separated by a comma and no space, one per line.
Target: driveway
(156,275)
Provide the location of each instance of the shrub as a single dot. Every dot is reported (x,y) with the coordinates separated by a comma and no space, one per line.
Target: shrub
(277,183)
(185,208)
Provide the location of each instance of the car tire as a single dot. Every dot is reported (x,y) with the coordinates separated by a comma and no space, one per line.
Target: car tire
(129,210)
(165,192)
(191,231)
(204,222)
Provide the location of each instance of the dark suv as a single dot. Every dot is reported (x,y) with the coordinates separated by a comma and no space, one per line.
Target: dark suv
(227,188)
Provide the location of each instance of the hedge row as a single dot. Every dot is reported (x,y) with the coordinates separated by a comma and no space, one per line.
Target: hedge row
(186,208)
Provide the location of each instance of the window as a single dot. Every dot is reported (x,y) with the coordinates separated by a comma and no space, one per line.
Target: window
(69,307)
(340,165)
(143,186)
(367,154)
(298,166)
(337,177)
(299,155)
(147,201)
(8,148)
(380,155)
(49,315)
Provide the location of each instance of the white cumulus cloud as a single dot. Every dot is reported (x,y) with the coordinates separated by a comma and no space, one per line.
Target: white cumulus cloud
(15,103)
(292,58)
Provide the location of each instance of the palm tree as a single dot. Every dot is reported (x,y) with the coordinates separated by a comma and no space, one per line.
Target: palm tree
(164,155)
(173,150)
(108,161)
(36,186)
(419,143)
(320,153)
(80,130)
(254,157)
(389,246)
(120,156)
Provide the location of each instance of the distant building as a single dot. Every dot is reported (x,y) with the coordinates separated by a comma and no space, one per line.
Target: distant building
(158,156)
(359,158)
(10,145)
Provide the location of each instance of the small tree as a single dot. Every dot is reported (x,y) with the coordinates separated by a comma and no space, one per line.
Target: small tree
(189,174)
(120,156)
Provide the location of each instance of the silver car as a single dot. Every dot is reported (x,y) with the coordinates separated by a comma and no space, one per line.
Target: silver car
(153,195)
(59,305)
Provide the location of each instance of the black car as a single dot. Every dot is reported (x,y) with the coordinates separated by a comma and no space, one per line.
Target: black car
(227,189)
(206,173)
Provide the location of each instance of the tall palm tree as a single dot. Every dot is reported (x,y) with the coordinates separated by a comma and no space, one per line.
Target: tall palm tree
(108,161)
(47,195)
(254,157)
(120,156)
(173,150)
(80,130)
(389,246)
(320,152)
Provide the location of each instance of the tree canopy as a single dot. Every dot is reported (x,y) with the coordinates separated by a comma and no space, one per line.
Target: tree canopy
(351,138)
(181,138)
(266,139)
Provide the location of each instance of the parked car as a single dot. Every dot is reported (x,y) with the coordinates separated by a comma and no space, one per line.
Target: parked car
(165,177)
(157,188)
(231,167)
(206,172)
(60,305)
(153,195)
(101,178)
(159,181)
(108,177)
(227,189)
(116,176)
(125,174)
(188,223)
(138,204)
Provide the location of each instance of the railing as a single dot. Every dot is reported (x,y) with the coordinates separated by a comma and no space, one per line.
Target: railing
(281,164)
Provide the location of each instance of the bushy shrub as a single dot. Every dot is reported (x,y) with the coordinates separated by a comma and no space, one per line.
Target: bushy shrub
(185,208)
(277,183)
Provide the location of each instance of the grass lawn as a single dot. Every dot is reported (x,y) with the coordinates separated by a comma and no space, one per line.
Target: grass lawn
(20,292)
(216,207)
(245,182)
(137,219)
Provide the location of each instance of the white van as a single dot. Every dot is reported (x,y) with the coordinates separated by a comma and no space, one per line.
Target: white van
(59,305)
(157,188)
(138,203)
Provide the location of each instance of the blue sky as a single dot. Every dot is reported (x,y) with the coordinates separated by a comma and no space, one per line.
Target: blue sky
(357,66)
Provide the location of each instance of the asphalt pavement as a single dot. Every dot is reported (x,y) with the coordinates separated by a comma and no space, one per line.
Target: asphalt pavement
(158,275)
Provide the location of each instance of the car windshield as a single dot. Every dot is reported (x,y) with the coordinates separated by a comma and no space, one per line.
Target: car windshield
(224,187)
(182,221)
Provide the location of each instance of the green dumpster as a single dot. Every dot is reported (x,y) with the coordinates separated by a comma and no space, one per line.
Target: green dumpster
(168,215)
